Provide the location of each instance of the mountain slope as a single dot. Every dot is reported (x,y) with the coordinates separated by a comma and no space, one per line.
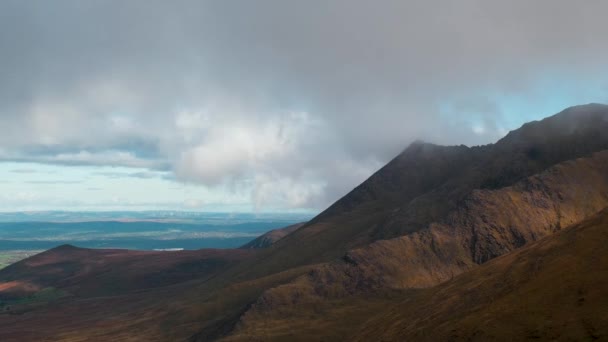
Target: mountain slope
(488,224)
(555,289)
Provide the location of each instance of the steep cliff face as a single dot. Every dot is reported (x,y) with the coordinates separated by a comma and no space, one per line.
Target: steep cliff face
(489,223)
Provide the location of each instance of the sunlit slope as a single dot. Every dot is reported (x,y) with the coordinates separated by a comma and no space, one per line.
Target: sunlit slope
(555,289)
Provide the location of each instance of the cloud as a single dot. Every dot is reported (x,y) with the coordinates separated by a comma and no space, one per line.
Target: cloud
(294,101)
(24,171)
(140,174)
(52,182)
(86,158)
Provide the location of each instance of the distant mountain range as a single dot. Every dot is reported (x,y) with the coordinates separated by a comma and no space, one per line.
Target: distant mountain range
(505,241)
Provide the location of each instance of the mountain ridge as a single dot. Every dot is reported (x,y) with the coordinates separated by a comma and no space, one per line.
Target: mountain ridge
(511,217)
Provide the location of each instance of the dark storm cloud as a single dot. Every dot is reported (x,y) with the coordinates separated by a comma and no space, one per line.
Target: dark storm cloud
(299,100)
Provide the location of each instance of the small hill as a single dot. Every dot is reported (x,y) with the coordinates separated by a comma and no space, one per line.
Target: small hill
(93,272)
(270,238)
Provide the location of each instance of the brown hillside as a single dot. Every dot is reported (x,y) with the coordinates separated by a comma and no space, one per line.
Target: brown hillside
(92,272)
(555,289)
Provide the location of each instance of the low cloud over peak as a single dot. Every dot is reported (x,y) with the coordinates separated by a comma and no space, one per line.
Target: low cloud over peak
(292,102)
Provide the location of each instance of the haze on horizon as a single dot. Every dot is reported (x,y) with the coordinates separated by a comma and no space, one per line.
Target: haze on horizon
(268,105)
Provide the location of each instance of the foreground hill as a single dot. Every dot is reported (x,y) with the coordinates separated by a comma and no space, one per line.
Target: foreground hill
(432,214)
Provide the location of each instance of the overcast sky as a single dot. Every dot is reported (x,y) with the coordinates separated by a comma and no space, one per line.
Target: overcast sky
(269,105)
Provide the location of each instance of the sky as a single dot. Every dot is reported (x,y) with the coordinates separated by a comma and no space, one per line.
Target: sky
(269,105)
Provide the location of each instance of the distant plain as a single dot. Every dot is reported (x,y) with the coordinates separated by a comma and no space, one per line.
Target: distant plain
(25,234)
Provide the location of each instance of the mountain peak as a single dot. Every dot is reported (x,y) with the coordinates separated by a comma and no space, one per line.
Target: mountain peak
(65,248)
(420,148)
(589,119)
(593,106)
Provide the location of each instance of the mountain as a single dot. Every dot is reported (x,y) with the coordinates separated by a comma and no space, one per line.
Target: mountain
(431,216)
(552,289)
(426,182)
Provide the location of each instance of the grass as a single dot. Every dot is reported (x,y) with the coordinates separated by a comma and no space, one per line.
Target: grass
(45,295)
(12,256)
(25,304)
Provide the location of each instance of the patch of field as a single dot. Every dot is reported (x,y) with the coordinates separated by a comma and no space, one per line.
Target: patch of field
(12,256)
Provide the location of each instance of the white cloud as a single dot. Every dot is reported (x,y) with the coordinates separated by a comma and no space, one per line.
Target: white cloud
(290,102)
